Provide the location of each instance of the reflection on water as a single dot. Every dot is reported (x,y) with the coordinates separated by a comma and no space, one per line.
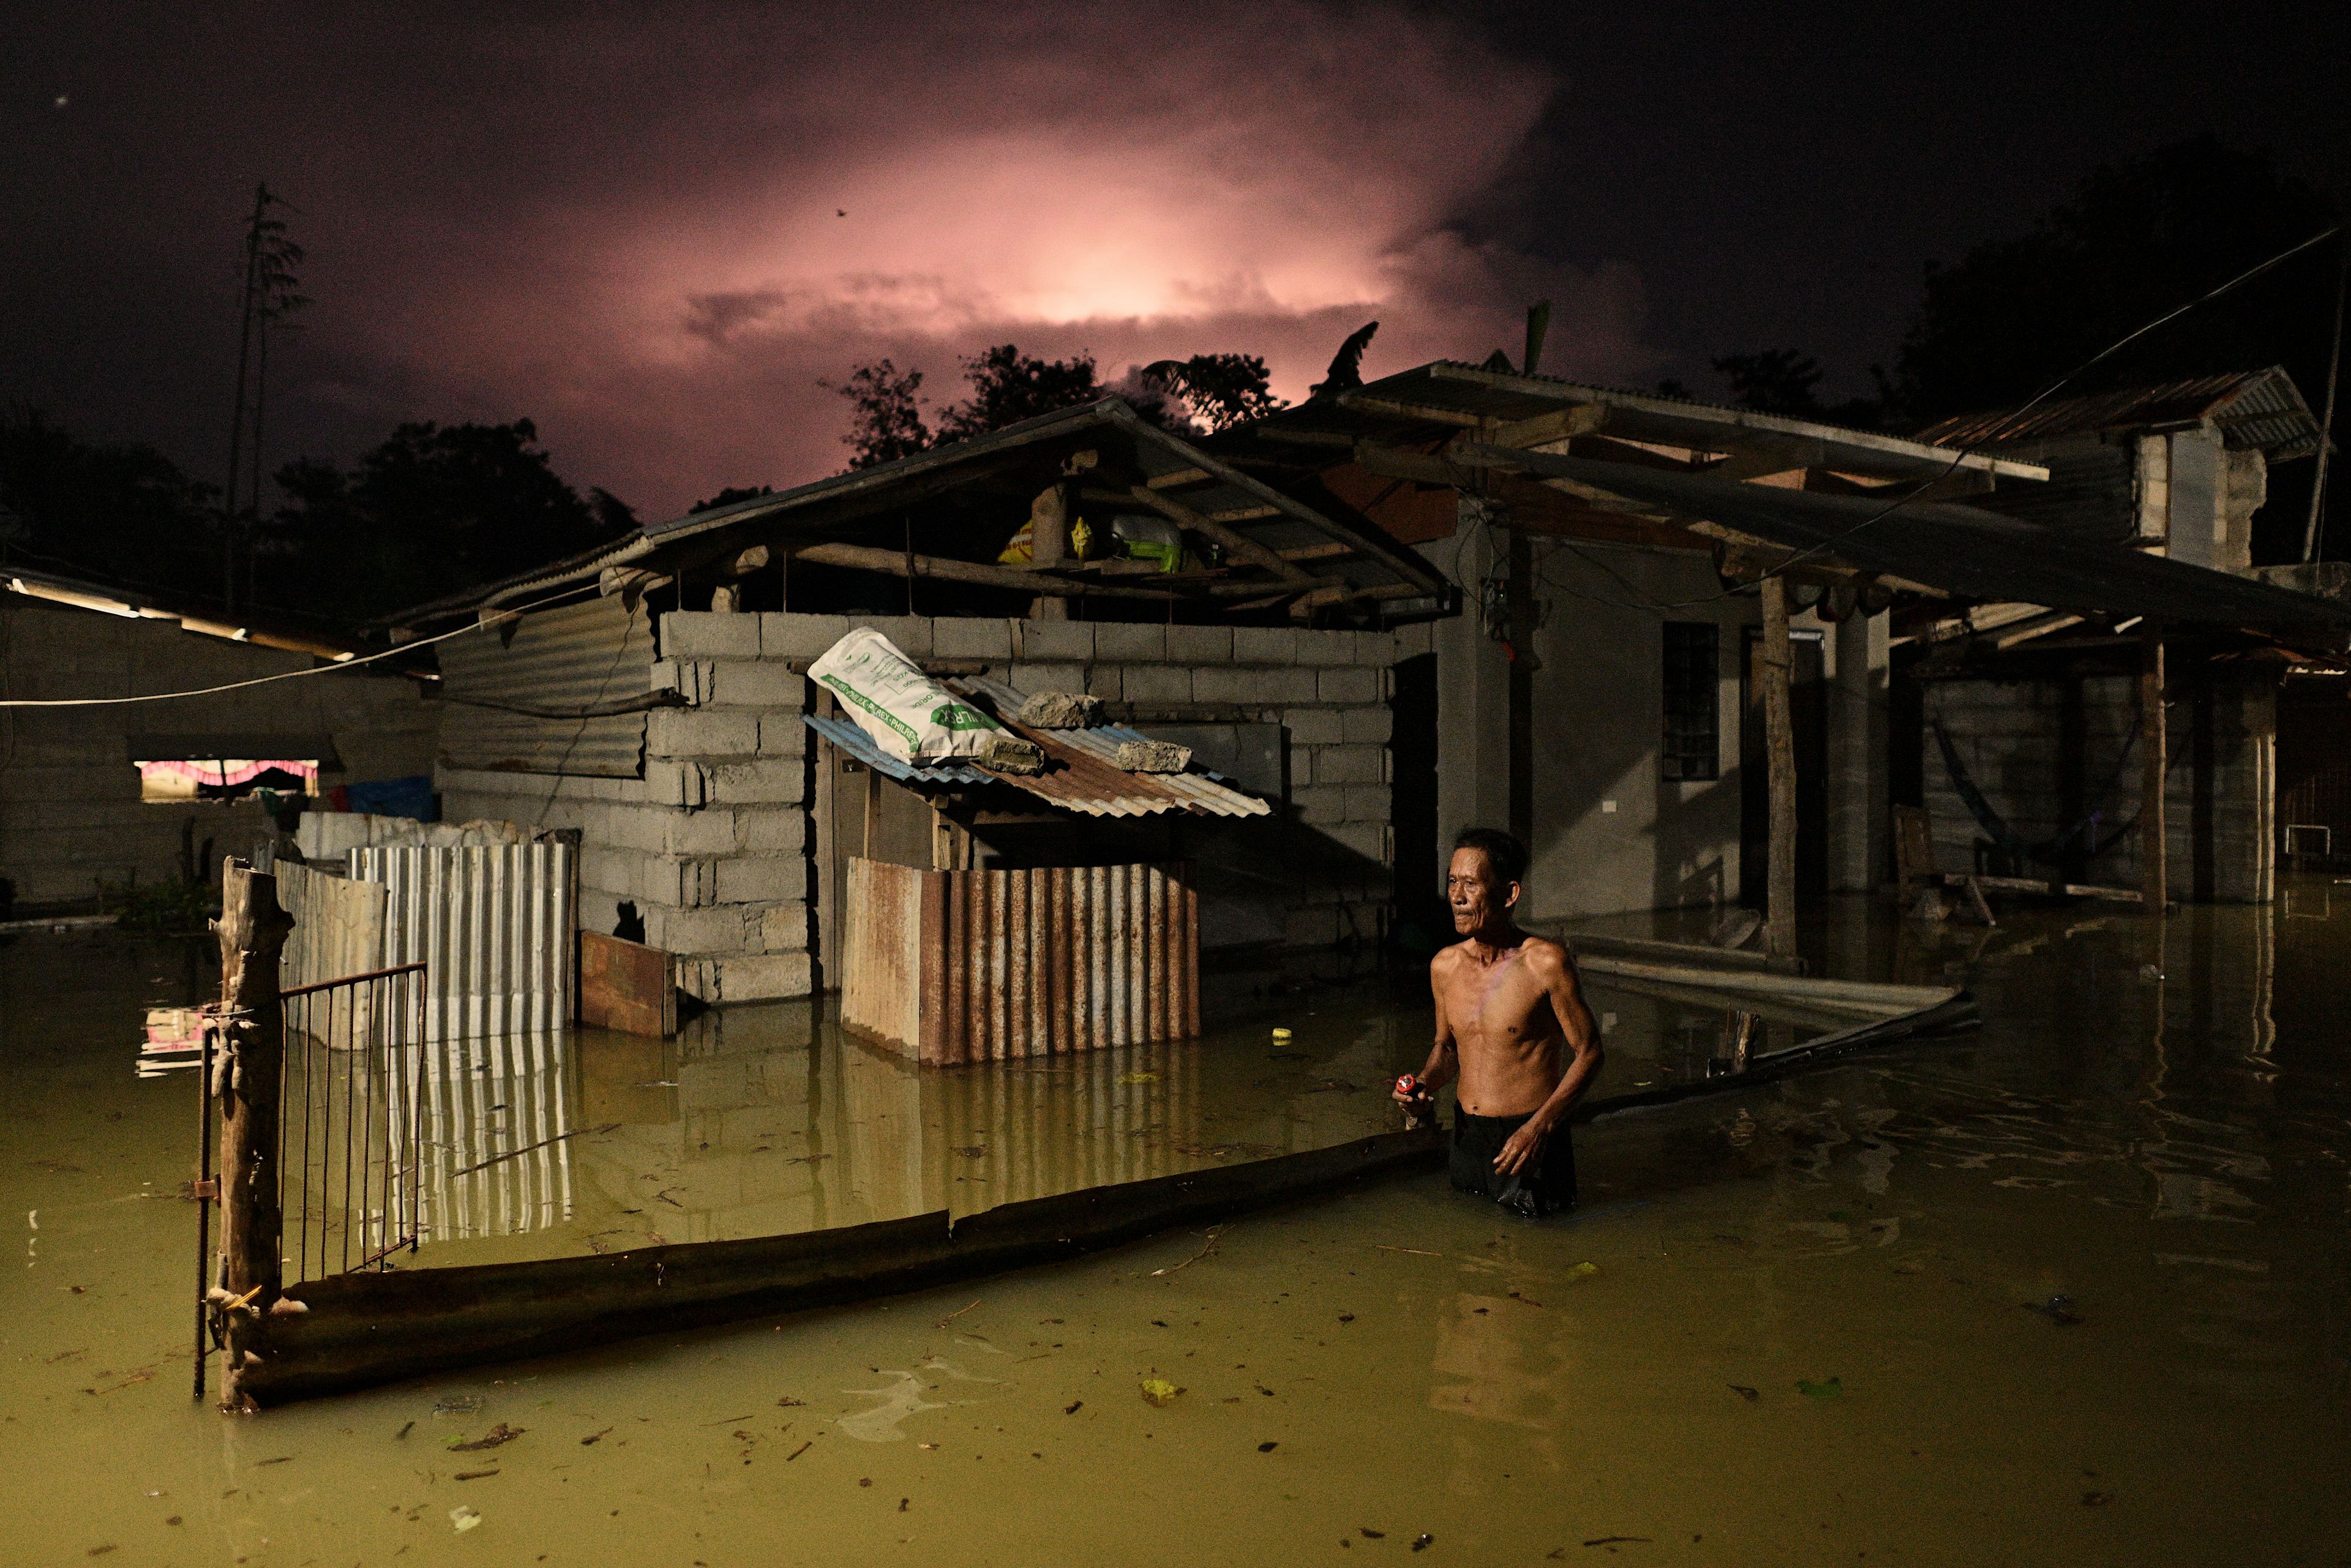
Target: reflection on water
(1792,1325)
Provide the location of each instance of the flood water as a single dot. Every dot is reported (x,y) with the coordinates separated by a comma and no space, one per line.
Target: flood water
(1817,1321)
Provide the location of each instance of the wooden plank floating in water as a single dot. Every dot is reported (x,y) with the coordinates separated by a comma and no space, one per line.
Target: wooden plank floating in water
(355,1330)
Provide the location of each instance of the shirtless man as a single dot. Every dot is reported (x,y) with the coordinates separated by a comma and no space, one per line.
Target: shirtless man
(1508,1007)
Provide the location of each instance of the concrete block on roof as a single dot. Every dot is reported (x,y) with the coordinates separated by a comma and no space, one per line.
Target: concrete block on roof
(1049,641)
(1129,643)
(761,879)
(1157,683)
(1347,686)
(780,781)
(1375,725)
(766,684)
(794,636)
(706,635)
(1315,726)
(1264,645)
(697,732)
(960,637)
(1199,644)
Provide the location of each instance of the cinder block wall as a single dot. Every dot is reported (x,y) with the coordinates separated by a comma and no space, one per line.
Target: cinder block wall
(70,812)
(2220,796)
(713,845)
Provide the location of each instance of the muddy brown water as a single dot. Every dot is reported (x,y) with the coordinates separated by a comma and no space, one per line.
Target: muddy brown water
(1807,1322)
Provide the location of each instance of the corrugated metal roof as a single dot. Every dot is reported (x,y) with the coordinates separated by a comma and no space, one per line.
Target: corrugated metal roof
(574,656)
(833,507)
(1081,772)
(2260,409)
(1447,397)
(1960,549)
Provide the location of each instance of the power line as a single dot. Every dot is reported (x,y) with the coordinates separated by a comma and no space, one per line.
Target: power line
(1961,456)
(502,615)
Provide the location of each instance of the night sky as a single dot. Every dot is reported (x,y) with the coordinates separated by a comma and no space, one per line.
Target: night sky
(628,222)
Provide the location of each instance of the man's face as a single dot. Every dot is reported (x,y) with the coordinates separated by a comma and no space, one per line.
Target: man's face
(1476,897)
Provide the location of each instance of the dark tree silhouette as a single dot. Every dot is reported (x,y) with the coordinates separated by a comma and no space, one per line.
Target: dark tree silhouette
(2134,241)
(886,416)
(1217,391)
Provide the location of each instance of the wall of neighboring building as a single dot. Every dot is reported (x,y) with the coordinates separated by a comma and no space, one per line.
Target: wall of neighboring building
(70,812)
(1611,832)
(2012,741)
(715,844)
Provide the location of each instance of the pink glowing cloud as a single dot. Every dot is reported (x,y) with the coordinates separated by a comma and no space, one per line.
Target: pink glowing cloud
(680,226)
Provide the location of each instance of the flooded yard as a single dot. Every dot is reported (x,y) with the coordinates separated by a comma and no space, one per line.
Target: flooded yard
(2068,1289)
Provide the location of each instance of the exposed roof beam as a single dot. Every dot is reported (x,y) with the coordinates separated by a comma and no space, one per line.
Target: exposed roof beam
(1364,402)
(1235,542)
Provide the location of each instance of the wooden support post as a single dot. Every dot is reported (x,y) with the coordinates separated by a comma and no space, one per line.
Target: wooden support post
(1521,612)
(253,929)
(1049,546)
(2154,751)
(1780,777)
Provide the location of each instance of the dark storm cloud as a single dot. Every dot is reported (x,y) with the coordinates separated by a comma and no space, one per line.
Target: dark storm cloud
(656,231)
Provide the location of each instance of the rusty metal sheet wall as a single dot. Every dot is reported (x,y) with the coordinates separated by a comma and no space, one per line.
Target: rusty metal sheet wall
(980,965)
(560,661)
(881,991)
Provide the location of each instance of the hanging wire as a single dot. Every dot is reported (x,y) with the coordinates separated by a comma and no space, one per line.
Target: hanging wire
(1957,457)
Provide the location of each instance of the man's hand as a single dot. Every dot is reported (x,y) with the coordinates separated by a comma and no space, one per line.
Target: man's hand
(1523,1146)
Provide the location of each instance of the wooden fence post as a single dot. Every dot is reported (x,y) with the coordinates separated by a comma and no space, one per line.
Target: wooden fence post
(253,929)
(1777,659)
(2154,762)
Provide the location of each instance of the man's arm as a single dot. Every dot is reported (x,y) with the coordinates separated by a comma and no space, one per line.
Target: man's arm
(1444,1063)
(1585,1056)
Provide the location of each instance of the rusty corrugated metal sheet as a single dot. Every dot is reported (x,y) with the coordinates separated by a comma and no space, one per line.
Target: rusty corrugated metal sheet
(1039,961)
(561,660)
(2252,408)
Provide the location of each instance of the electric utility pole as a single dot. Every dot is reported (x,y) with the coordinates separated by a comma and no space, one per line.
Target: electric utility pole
(270,297)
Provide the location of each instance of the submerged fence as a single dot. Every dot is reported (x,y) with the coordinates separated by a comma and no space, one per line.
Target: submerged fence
(351,1145)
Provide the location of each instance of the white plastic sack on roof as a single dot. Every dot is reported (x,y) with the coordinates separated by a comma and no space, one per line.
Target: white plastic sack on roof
(909,715)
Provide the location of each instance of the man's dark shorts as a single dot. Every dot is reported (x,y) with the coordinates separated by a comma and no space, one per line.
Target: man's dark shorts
(1544,1186)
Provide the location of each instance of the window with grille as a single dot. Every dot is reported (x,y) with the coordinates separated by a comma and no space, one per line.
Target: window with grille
(1693,746)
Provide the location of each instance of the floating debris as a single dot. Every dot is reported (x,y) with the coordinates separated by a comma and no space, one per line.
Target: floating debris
(2058,1309)
(1749,1395)
(1827,1389)
(457,1405)
(495,1436)
(464,1517)
(1159,1391)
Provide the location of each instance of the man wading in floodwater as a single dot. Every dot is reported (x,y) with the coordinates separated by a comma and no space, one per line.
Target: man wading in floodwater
(1508,1007)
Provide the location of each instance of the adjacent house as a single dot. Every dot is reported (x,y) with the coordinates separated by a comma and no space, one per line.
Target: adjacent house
(99,792)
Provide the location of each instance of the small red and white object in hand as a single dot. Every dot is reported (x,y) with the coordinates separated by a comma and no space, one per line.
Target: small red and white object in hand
(1419,1101)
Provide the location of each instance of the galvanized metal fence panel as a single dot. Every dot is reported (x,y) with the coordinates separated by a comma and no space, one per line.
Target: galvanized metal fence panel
(337,925)
(551,662)
(495,925)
